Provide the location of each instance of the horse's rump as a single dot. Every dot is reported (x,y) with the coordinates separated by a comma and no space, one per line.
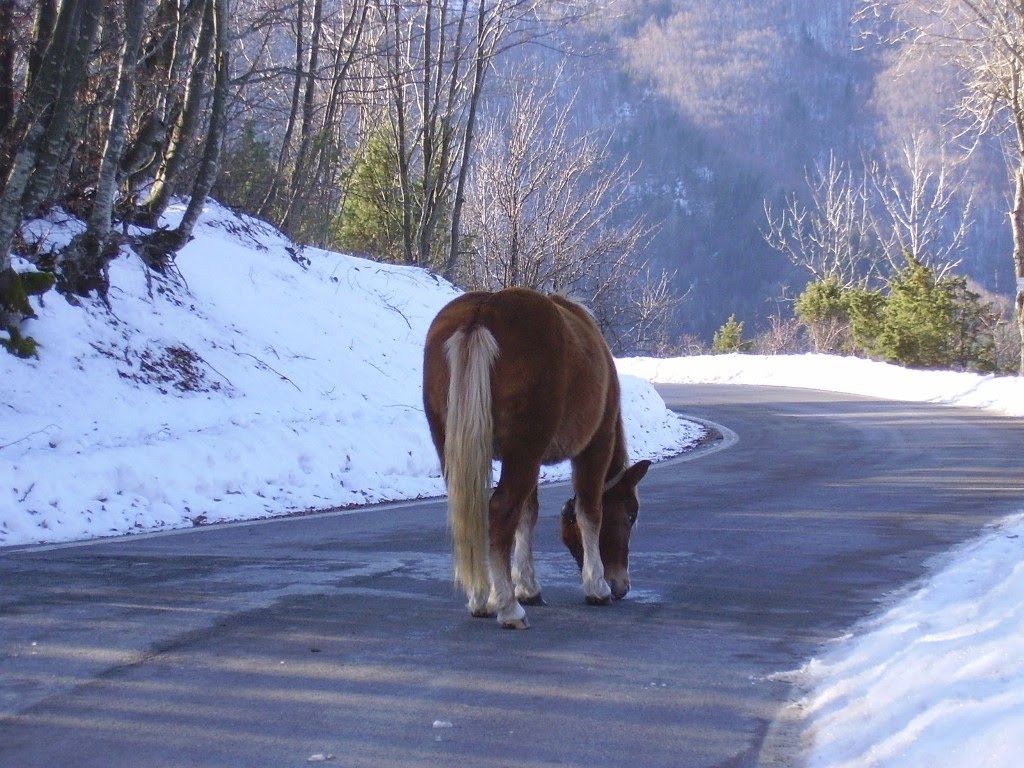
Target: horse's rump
(553,382)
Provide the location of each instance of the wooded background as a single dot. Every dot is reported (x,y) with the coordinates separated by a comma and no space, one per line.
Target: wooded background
(675,162)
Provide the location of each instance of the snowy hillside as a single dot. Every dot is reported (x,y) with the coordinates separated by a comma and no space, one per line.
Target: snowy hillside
(259,379)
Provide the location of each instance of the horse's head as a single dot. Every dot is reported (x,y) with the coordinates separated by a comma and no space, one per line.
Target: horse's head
(620,508)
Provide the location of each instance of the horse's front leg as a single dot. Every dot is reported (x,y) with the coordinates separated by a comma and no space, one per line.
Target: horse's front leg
(588,516)
(524,575)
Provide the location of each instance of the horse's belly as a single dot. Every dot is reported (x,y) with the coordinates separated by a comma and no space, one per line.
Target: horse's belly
(569,443)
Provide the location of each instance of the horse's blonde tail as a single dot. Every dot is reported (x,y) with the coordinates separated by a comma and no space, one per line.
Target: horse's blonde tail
(468,450)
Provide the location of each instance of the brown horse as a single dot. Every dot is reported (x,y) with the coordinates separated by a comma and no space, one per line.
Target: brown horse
(527,379)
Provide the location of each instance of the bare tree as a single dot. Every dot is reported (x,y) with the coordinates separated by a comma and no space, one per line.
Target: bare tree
(920,210)
(300,75)
(158,247)
(433,64)
(302,81)
(37,133)
(983,39)
(83,264)
(189,109)
(542,213)
(426,49)
(40,125)
(8,90)
(831,236)
(72,53)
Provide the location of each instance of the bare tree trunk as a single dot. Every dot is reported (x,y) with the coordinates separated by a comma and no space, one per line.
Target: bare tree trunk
(84,261)
(106,184)
(1017,223)
(183,132)
(267,205)
(160,246)
(442,100)
(397,83)
(480,65)
(42,34)
(324,167)
(51,90)
(300,172)
(344,58)
(54,142)
(7,88)
(162,50)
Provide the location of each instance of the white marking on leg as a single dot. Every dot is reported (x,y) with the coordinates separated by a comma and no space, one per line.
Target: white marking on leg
(503,597)
(524,575)
(594,584)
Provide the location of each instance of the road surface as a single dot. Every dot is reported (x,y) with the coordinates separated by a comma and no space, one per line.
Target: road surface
(338,636)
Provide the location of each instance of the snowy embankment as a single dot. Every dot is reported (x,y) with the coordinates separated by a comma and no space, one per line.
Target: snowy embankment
(258,379)
(937,679)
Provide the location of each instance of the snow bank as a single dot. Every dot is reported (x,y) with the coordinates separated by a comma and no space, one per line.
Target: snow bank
(1003,394)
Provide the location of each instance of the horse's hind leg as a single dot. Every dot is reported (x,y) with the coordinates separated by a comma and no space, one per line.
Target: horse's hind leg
(507,505)
(524,576)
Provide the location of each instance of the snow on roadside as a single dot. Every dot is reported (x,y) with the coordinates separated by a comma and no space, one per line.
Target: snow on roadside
(852,375)
(935,680)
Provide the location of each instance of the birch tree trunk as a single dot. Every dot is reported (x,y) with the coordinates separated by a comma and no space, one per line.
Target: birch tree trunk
(93,247)
(184,131)
(52,90)
(161,245)
(74,67)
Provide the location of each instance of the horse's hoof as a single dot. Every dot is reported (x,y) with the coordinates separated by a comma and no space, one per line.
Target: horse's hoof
(516,624)
(592,600)
(532,600)
(482,613)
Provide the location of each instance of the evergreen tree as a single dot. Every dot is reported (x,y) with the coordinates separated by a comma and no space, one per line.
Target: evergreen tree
(371,215)
(918,320)
(729,338)
(247,172)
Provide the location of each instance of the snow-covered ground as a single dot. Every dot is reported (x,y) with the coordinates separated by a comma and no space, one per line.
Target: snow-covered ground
(937,679)
(262,379)
(258,379)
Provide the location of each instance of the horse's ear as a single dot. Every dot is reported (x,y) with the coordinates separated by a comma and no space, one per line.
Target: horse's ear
(636,473)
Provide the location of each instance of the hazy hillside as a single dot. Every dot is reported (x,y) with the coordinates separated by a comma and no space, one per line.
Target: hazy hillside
(722,104)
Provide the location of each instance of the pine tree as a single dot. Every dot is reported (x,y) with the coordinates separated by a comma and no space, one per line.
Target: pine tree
(729,338)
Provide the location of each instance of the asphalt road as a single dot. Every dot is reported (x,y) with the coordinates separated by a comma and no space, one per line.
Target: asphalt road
(339,635)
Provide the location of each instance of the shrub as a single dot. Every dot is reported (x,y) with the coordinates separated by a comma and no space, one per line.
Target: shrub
(919,320)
